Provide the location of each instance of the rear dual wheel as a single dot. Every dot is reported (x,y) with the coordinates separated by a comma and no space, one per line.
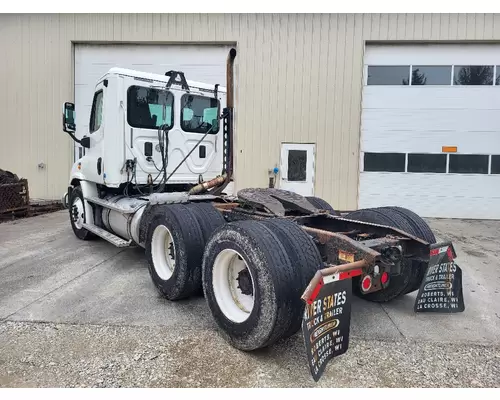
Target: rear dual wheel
(321,204)
(253,273)
(253,281)
(233,285)
(175,241)
(420,229)
(412,271)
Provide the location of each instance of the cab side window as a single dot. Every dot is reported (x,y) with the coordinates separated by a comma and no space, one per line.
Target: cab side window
(198,114)
(149,108)
(96,113)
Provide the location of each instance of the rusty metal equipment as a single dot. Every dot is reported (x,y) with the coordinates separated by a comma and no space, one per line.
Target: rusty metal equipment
(14,195)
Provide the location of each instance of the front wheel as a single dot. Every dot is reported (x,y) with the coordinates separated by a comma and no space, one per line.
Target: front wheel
(77,217)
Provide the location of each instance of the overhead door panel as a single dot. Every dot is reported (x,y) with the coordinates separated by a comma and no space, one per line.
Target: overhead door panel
(430,130)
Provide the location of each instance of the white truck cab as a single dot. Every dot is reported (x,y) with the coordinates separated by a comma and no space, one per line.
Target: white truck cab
(138,118)
(152,139)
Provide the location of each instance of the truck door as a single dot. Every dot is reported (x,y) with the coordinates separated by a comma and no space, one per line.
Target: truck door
(93,162)
(199,120)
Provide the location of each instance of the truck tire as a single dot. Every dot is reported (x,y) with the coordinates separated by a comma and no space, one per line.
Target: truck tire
(321,204)
(398,283)
(208,217)
(425,232)
(174,250)
(77,214)
(249,284)
(421,230)
(304,257)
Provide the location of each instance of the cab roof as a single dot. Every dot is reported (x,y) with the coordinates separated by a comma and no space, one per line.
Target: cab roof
(159,78)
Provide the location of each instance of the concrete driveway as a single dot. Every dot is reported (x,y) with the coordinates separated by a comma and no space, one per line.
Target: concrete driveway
(50,278)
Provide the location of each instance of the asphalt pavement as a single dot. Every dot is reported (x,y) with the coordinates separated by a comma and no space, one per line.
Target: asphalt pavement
(85,311)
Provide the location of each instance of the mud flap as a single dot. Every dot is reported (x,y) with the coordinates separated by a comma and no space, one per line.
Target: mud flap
(326,323)
(441,289)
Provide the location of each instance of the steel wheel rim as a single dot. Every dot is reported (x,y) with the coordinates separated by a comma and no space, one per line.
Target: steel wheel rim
(163,252)
(227,276)
(77,213)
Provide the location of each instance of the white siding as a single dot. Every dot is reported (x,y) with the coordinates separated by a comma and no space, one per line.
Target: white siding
(299,78)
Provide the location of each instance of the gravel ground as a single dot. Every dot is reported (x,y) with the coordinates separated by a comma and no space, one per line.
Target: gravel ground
(54,355)
(76,313)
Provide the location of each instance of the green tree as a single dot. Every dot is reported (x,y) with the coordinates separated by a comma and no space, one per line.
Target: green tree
(474,75)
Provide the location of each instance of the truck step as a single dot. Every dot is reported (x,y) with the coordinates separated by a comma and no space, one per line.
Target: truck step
(113,206)
(113,239)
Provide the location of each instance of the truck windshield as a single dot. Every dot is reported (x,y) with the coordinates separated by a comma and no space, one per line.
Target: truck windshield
(149,108)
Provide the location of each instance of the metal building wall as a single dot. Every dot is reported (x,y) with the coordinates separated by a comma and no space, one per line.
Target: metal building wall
(299,79)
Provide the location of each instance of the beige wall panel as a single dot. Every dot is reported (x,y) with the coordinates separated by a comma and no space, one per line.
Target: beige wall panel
(299,79)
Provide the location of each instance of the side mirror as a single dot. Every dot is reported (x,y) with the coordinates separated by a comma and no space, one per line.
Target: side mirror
(85,142)
(69,125)
(69,118)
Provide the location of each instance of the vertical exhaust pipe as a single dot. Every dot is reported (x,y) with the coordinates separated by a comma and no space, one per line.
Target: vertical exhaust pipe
(230,106)
(228,126)
(230,78)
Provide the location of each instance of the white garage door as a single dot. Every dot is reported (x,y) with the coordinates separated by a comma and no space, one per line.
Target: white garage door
(203,63)
(430,133)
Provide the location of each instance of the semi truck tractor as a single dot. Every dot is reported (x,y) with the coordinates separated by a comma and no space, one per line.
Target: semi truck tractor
(157,162)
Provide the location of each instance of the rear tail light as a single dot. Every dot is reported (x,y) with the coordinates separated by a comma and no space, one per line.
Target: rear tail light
(384,278)
(366,283)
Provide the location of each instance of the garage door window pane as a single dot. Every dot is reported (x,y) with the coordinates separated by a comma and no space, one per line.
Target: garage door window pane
(431,75)
(297,164)
(427,163)
(495,164)
(468,164)
(149,108)
(497,82)
(388,75)
(198,113)
(384,162)
(473,75)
